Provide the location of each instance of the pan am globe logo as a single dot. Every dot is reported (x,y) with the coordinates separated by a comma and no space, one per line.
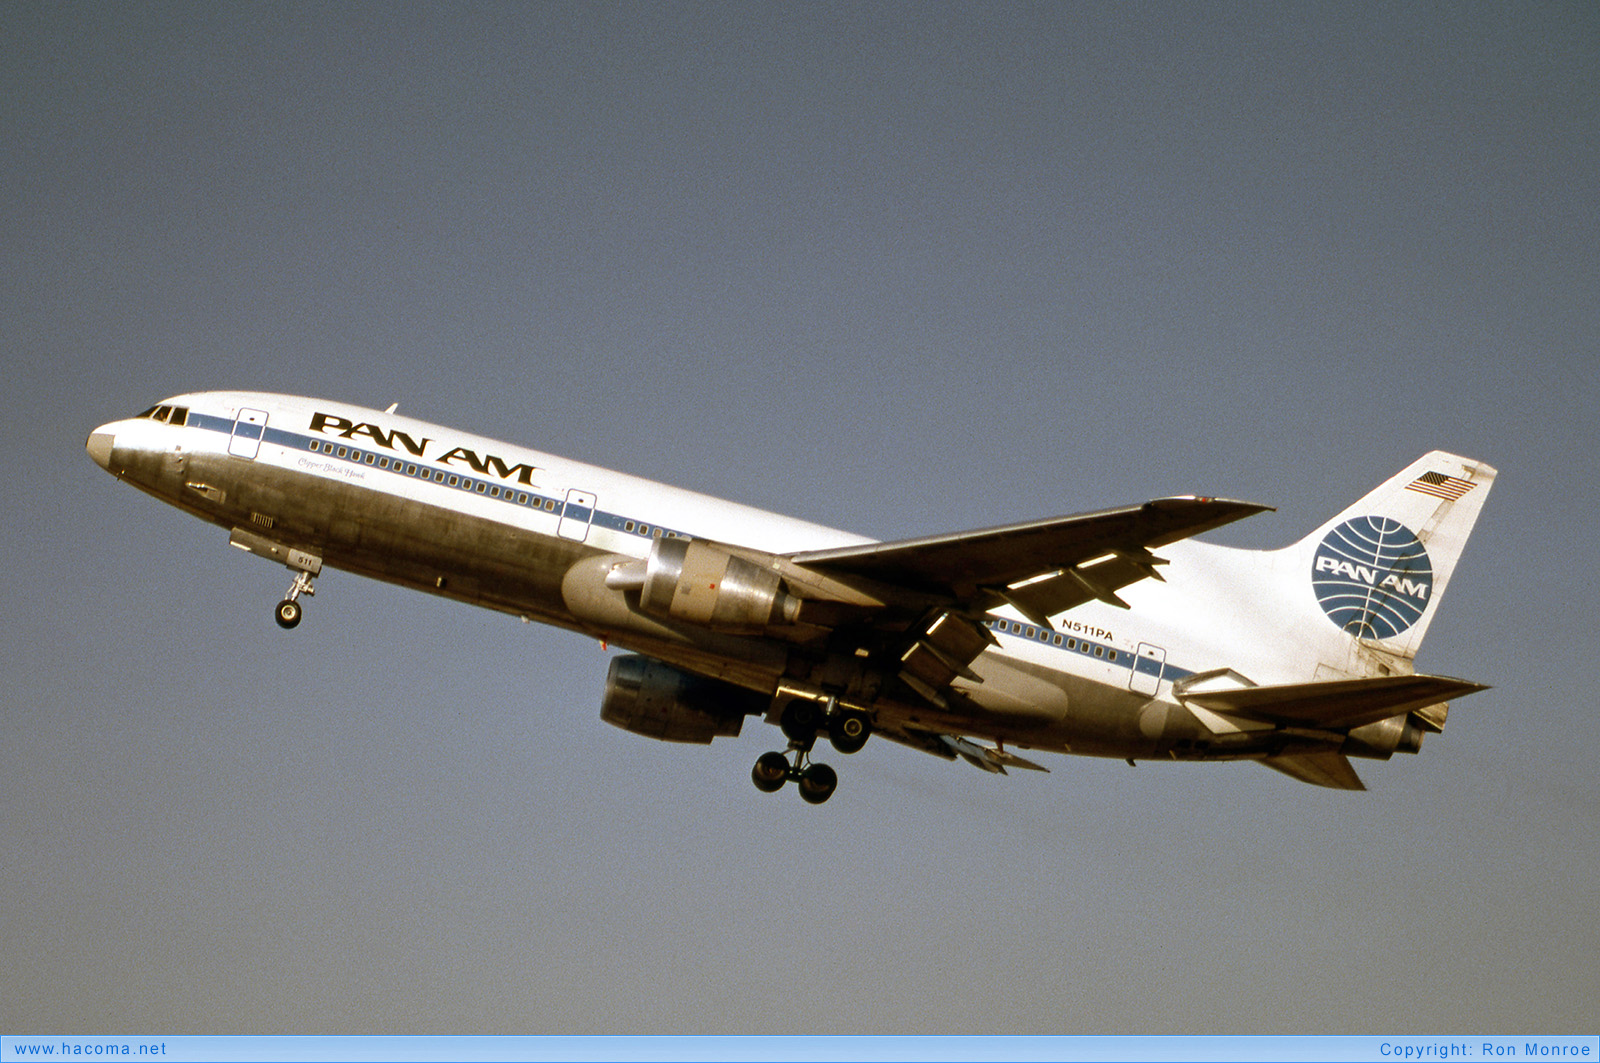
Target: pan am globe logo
(1372,577)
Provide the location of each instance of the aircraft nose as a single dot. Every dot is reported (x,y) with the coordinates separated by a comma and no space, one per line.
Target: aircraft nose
(99,447)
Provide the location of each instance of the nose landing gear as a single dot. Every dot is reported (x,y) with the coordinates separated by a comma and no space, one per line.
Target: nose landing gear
(305,566)
(288,611)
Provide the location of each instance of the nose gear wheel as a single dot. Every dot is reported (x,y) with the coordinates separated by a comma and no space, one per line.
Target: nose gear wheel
(288,611)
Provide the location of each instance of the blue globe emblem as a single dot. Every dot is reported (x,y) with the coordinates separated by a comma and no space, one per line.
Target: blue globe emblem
(1372,577)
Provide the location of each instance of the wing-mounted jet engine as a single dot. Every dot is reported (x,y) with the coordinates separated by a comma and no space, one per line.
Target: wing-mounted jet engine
(702,583)
(658,701)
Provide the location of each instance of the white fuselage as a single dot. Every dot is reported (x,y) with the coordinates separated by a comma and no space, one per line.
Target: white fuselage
(501,526)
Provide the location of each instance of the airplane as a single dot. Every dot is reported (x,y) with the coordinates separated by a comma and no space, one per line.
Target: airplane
(1065,635)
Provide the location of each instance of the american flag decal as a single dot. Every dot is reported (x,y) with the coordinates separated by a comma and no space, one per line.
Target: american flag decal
(1439,485)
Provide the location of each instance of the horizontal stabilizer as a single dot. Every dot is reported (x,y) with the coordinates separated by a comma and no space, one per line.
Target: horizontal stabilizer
(1332,770)
(1339,704)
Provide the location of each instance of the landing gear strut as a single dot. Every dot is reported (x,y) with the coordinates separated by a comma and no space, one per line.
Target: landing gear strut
(288,611)
(305,566)
(816,782)
(801,721)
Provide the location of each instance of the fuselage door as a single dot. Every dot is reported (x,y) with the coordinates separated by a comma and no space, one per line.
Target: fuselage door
(576,516)
(247,430)
(1148,664)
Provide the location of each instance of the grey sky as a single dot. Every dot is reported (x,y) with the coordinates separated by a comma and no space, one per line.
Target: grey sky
(900,269)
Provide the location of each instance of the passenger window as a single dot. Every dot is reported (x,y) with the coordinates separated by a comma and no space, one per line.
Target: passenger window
(371,459)
(1099,652)
(482,487)
(454,480)
(341,452)
(315,446)
(411,470)
(1056,640)
(522,500)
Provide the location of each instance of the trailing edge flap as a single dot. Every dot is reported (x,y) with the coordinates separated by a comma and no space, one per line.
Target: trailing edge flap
(1340,704)
(926,741)
(989,758)
(1332,770)
(949,747)
(959,564)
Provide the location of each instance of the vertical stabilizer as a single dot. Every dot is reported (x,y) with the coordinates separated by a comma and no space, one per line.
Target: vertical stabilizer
(1379,568)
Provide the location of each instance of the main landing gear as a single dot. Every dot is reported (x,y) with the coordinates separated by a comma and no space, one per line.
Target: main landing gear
(288,611)
(801,721)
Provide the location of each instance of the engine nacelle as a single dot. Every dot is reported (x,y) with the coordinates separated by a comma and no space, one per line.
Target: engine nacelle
(1381,740)
(657,700)
(700,583)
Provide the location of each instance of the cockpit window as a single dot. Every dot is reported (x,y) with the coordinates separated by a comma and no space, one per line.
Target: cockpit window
(178,415)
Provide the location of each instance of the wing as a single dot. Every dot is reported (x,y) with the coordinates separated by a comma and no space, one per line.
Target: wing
(1041,568)
(960,563)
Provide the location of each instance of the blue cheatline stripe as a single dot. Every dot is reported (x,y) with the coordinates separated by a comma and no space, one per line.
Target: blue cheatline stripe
(1085,647)
(413,468)
(409,467)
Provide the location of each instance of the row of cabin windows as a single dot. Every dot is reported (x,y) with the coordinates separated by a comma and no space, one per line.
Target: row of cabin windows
(452,480)
(521,498)
(1016,627)
(644,529)
(449,479)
